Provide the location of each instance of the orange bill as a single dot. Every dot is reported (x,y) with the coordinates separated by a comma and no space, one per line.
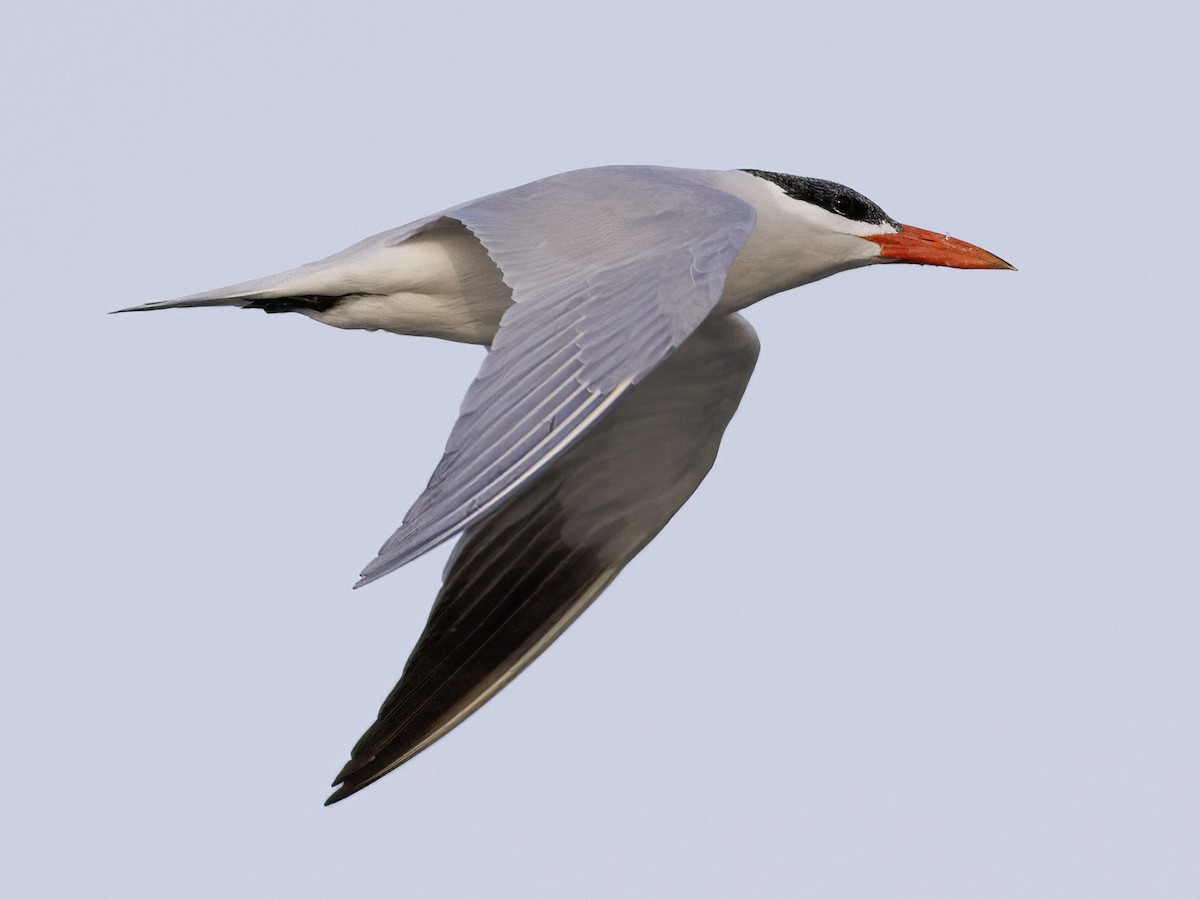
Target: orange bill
(927,248)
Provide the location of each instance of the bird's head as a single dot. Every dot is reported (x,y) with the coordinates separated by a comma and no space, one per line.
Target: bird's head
(841,229)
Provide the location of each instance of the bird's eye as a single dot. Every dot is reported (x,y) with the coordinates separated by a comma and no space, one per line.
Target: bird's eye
(848,206)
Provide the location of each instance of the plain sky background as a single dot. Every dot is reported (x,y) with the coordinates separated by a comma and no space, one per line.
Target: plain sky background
(929,629)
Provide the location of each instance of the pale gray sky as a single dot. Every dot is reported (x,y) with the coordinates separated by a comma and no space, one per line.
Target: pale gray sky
(928,630)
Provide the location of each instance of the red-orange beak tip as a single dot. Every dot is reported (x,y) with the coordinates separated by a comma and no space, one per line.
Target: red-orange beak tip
(928,248)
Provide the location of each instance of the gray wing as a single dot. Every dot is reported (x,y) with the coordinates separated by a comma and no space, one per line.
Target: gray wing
(611,270)
(517,579)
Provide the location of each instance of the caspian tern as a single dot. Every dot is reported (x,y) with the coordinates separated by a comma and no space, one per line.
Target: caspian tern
(608,298)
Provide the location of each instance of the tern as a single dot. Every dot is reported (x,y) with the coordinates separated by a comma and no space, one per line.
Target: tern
(608,299)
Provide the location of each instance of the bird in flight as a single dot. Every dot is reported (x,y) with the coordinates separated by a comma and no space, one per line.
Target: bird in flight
(608,299)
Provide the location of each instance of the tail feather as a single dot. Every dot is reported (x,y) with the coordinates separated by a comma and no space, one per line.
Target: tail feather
(372,266)
(295,283)
(322,279)
(317,302)
(186,301)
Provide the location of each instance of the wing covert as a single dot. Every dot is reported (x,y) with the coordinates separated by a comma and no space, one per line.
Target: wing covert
(599,301)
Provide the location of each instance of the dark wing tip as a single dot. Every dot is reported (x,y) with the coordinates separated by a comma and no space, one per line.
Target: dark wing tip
(344,790)
(355,775)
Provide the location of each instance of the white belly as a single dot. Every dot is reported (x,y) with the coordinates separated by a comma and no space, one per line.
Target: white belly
(440,283)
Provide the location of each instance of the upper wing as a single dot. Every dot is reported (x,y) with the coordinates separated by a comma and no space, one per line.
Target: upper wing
(517,579)
(611,270)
